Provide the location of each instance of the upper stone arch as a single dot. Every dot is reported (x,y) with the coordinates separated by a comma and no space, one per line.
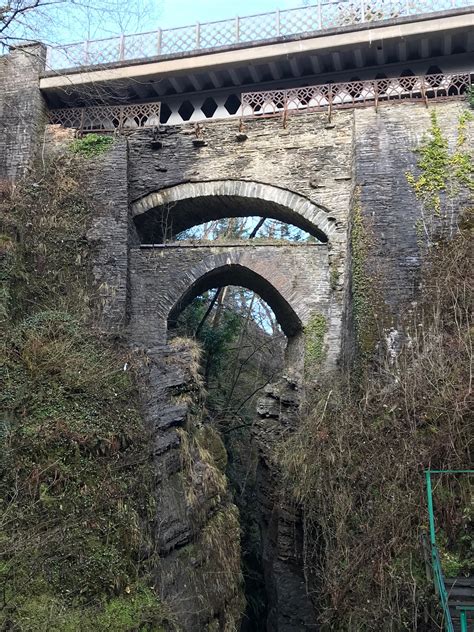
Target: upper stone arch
(163,214)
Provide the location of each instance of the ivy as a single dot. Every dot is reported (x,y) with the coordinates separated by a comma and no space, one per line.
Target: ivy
(91,145)
(442,175)
(315,332)
(433,164)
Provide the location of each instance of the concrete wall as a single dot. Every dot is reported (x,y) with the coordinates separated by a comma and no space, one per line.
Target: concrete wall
(22,111)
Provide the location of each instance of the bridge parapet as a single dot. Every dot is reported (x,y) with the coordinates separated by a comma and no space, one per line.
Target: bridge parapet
(321,16)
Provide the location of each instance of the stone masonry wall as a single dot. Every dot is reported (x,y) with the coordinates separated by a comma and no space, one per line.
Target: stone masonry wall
(22,110)
(111,232)
(312,157)
(385,141)
(159,278)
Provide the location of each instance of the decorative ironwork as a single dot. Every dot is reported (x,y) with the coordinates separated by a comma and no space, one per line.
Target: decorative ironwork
(326,14)
(354,94)
(108,118)
(324,97)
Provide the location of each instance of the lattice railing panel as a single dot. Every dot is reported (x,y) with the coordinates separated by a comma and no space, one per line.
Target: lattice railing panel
(324,14)
(355,94)
(101,51)
(300,21)
(215,34)
(259,27)
(270,103)
(108,117)
(139,46)
(178,40)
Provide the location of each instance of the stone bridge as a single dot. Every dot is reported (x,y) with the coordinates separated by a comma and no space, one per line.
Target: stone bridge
(165,276)
(324,173)
(316,174)
(293,279)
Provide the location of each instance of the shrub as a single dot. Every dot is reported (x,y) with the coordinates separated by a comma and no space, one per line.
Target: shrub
(91,145)
(356,462)
(76,476)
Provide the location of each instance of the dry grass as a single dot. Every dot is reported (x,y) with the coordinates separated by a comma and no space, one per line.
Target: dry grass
(356,464)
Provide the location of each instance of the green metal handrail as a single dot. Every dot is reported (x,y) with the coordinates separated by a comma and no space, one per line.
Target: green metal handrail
(463,613)
(439,582)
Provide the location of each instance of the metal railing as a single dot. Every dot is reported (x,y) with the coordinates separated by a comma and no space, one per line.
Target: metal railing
(464,612)
(438,577)
(355,94)
(325,14)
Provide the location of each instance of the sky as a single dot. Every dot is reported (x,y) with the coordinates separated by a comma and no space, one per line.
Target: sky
(182,12)
(58,22)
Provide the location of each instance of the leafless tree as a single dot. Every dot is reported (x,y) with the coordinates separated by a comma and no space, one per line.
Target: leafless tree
(56,22)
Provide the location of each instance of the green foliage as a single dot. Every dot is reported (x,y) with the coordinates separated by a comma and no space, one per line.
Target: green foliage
(451,563)
(91,145)
(315,332)
(214,340)
(434,164)
(453,498)
(138,611)
(76,541)
(442,175)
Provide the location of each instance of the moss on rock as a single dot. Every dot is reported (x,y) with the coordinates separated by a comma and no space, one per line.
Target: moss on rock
(76,473)
(315,332)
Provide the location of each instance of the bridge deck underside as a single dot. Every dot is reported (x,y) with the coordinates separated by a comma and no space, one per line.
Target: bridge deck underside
(195,84)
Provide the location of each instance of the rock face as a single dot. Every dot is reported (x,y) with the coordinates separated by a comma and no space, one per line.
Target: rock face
(272,531)
(289,605)
(198,529)
(197,524)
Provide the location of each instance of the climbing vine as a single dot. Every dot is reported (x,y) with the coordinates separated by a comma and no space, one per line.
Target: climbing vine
(442,176)
(364,295)
(315,332)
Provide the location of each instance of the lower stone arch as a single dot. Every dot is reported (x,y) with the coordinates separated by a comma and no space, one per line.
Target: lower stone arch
(293,280)
(162,214)
(236,274)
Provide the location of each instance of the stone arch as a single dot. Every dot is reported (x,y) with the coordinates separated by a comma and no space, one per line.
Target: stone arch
(165,213)
(236,274)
